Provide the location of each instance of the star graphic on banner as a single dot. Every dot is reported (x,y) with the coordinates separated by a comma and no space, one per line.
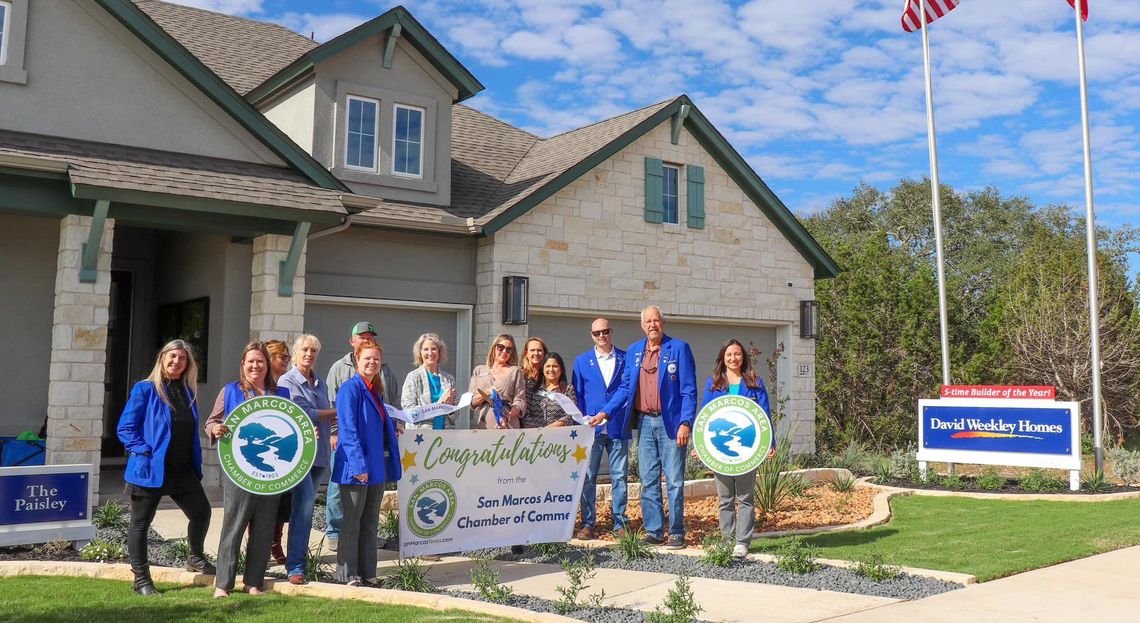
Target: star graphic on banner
(579,454)
(419,439)
(573,475)
(409,459)
(573,434)
(415,478)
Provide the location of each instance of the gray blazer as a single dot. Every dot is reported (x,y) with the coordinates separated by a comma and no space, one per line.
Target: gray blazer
(417,392)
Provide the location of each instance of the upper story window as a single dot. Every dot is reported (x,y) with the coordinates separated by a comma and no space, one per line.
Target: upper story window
(408,139)
(669,193)
(5,18)
(360,140)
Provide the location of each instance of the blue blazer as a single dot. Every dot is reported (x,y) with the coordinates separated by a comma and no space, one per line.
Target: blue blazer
(364,444)
(758,395)
(144,428)
(593,393)
(676,378)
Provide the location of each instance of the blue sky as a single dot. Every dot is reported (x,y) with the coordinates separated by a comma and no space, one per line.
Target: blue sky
(817,95)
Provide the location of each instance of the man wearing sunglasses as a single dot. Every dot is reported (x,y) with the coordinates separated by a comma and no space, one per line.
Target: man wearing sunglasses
(597,376)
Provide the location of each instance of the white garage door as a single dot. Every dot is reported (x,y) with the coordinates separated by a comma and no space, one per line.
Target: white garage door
(569,337)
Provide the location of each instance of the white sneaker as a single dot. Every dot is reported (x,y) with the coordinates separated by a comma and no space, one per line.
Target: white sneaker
(740,550)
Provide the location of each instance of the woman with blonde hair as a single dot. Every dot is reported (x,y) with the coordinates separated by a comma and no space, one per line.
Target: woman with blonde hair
(502,374)
(242,509)
(159,430)
(533,355)
(428,383)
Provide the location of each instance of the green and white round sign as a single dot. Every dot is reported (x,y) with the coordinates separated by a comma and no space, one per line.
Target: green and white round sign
(270,447)
(732,435)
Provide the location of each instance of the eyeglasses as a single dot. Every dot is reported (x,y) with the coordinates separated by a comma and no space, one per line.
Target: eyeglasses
(600,333)
(503,348)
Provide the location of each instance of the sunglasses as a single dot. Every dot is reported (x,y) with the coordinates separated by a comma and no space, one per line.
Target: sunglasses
(503,348)
(600,333)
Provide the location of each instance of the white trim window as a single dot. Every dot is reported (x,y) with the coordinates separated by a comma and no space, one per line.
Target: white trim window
(361,129)
(670,195)
(408,141)
(5,29)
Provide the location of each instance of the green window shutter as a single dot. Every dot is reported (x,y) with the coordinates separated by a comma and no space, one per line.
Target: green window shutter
(695,186)
(654,209)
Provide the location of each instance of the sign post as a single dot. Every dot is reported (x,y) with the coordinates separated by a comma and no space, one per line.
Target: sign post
(46,503)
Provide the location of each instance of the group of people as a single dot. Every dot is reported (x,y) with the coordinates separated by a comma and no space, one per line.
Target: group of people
(649,388)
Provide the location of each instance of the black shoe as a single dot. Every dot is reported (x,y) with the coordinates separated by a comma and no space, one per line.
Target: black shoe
(199,564)
(676,541)
(143,584)
(517,549)
(649,539)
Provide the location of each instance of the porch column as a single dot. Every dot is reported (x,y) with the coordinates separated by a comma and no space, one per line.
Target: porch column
(78,348)
(272,316)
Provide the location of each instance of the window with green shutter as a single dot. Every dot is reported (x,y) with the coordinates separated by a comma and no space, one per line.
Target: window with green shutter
(695,186)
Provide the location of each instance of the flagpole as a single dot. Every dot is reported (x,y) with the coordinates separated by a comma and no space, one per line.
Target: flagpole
(1090,243)
(935,200)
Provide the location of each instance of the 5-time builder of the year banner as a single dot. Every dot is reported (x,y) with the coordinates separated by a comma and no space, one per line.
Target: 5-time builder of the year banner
(470,489)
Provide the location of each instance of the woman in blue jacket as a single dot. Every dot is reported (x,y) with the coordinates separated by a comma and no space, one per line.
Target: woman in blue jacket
(159,430)
(367,456)
(733,375)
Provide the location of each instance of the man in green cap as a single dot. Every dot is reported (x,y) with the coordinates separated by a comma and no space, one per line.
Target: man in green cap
(339,373)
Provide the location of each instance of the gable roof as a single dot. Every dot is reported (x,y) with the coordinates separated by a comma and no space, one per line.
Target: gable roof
(243,52)
(422,40)
(194,70)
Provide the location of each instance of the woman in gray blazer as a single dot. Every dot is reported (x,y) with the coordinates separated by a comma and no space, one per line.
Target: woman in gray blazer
(428,383)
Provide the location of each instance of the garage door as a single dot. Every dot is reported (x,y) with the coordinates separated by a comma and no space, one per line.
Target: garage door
(398,329)
(569,337)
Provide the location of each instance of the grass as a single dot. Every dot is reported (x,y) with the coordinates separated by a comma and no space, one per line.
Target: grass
(985,538)
(85,600)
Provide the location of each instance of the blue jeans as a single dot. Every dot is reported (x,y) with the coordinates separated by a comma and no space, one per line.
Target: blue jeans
(657,453)
(301,520)
(618,450)
(334,513)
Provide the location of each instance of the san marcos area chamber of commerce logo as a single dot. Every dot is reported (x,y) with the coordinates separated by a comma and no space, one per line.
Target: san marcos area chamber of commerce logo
(431,507)
(270,447)
(732,435)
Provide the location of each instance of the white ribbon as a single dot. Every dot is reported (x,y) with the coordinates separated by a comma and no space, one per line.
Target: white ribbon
(427,412)
(567,405)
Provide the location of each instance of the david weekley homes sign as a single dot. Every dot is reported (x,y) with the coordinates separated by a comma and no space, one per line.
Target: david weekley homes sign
(270,446)
(1023,432)
(45,503)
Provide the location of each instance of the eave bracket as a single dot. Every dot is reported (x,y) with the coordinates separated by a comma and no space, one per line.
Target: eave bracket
(390,44)
(89,259)
(292,260)
(679,121)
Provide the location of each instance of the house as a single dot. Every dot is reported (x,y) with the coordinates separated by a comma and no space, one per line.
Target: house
(168,171)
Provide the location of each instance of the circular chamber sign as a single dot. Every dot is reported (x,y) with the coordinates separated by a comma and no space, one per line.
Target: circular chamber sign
(270,447)
(431,508)
(732,435)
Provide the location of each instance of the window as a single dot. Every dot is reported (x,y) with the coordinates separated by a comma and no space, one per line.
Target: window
(408,139)
(360,143)
(669,177)
(5,12)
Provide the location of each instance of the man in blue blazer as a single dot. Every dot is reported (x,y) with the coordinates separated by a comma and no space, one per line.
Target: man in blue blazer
(660,387)
(597,377)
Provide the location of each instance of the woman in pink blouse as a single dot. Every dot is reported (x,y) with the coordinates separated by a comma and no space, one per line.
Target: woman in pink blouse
(502,374)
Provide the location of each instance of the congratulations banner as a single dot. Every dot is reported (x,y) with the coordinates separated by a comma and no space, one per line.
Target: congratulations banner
(470,489)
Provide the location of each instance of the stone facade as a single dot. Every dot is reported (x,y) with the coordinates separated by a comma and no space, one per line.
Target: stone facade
(78,349)
(272,316)
(588,247)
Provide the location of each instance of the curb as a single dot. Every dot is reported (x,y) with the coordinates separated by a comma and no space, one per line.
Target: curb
(431,601)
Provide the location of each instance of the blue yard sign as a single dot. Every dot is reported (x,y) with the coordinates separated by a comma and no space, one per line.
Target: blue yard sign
(45,503)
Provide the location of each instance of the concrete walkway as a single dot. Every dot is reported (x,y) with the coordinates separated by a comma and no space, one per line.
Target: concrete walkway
(1098,588)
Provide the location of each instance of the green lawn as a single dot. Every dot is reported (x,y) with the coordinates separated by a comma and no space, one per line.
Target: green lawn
(85,600)
(985,538)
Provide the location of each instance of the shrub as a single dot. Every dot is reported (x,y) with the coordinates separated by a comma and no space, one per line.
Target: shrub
(884,471)
(874,567)
(410,575)
(842,484)
(990,480)
(389,526)
(177,550)
(103,551)
(548,550)
(1095,482)
(53,549)
(773,483)
(695,469)
(953,481)
(797,487)
(316,568)
(632,545)
(578,572)
(903,462)
(796,556)
(1040,482)
(680,606)
(488,583)
(1125,464)
(853,458)
(718,549)
(111,515)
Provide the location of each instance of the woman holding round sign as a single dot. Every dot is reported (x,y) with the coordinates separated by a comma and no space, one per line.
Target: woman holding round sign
(159,429)
(732,436)
(241,507)
(367,456)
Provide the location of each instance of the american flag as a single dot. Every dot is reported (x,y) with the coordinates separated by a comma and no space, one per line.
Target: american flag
(1084,8)
(934,10)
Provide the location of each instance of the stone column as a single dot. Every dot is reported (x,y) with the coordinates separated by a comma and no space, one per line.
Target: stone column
(272,316)
(78,349)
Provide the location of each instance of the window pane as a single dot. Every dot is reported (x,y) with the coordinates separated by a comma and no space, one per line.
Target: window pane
(354,107)
(368,125)
(400,158)
(669,177)
(413,166)
(367,152)
(415,122)
(3,34)
(401,123)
